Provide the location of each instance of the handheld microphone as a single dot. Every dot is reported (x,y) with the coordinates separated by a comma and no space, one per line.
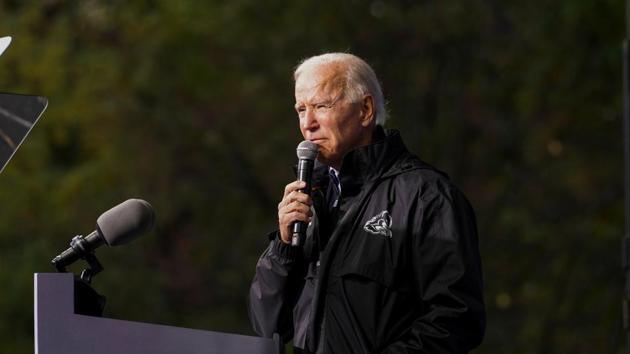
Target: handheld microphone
(117,226)
(306,153)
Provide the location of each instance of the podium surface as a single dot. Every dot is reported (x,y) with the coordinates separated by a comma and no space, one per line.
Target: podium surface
(58,330)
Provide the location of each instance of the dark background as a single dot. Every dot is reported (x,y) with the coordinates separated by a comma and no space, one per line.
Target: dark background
(189,105)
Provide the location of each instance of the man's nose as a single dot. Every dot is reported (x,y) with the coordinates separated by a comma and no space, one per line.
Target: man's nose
(310,120)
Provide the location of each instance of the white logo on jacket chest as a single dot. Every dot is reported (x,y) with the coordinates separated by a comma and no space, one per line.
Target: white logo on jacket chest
(380,224)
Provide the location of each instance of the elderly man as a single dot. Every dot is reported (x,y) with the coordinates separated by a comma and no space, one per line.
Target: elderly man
(391,261)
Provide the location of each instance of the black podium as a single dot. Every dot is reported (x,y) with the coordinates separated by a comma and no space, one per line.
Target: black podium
(58,330)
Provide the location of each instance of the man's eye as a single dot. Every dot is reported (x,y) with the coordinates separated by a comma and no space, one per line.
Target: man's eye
(322,106)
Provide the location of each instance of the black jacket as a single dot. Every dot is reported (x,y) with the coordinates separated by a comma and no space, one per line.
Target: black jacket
(400,272)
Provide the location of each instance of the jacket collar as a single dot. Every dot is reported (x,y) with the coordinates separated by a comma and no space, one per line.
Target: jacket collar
(366,163)
(372,161)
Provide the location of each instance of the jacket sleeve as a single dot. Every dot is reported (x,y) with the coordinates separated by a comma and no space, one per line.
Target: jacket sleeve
(448,278)
(275,289)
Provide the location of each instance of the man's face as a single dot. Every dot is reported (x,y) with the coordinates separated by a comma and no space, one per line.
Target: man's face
(326,117)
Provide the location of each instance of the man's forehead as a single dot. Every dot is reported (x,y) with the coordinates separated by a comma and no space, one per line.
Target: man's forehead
(321,79)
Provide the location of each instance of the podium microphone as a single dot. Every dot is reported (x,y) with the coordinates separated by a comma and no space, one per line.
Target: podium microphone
(306,153)
(117,226)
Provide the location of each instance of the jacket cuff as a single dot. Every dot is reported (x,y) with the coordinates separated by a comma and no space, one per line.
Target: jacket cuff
(282,251)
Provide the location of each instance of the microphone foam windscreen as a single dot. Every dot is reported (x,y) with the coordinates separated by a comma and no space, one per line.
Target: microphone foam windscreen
(307,150)
(126,221)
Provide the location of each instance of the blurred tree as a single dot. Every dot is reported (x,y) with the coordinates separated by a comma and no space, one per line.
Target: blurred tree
(189,105)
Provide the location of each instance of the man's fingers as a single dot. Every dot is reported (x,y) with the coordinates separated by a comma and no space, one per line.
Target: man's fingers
(294,212)
(293,186)
(295,196)
(295,206)
(291,217)
(285,221)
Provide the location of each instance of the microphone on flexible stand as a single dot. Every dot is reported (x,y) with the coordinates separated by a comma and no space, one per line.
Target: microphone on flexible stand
(119,225)
(306,153)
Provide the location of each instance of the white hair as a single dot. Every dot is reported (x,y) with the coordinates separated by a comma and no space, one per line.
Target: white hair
(360,79)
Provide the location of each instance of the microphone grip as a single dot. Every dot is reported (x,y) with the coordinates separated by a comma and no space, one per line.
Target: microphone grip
(79,246)
(299,230)
(66,258)
(305,172)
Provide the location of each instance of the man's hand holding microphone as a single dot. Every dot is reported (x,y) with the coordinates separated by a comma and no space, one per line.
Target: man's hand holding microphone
(294,211)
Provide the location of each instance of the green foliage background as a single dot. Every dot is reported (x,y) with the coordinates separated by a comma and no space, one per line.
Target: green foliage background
(188,104)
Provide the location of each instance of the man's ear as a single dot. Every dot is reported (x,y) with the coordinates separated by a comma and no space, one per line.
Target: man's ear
(367,111)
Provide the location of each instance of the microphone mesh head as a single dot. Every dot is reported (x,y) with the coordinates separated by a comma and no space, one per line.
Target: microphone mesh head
(307,150)
(126,221)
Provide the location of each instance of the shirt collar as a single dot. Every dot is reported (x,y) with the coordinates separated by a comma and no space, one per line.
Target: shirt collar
(333,171)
